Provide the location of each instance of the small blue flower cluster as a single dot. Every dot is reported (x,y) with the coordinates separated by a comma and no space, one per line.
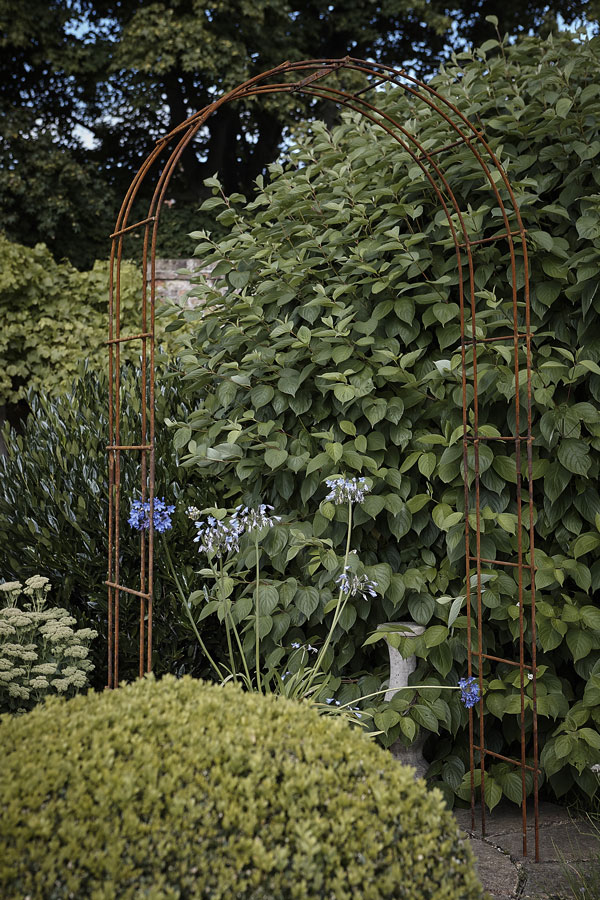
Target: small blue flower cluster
(217,537)
(346,490)
(469,691)
(139,516)
(356,585)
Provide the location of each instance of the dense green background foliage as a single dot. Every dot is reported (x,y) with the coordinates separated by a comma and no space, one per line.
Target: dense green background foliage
(180,789)
(87,85)
(54,514)
(336,349)
(54,316)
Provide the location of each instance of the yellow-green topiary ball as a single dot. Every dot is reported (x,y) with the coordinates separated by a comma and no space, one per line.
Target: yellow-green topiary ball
(180,789)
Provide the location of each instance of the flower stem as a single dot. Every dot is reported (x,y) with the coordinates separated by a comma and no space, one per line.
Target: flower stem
(220,579)
(229,626)
(339,607)
(187,608)
(257,617)
(403,687)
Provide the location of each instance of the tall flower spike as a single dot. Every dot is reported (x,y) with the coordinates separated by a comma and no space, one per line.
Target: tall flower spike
(344,490)
(469,691)
(216,538)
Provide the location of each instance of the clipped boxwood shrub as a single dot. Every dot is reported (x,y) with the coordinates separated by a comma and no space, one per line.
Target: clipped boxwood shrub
(330,344)
(179,789)
(54,514)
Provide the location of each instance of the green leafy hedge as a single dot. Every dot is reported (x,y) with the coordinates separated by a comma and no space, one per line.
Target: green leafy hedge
(180,789)
(53,316)
(336,349)
(54,514)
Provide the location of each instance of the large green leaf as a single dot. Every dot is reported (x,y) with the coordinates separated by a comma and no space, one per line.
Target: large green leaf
(574,456)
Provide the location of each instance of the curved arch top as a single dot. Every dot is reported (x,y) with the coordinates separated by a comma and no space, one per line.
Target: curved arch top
(310,78)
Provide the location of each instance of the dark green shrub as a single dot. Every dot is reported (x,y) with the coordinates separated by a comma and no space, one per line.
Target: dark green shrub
(330,344)
(179,789)
(54,514)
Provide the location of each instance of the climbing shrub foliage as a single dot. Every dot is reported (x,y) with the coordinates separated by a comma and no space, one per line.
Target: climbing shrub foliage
(330,344)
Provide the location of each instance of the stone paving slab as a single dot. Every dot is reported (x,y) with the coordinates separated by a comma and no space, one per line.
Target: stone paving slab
(508,875)
(507,819)
(499,875)
(547,881)
(556,841)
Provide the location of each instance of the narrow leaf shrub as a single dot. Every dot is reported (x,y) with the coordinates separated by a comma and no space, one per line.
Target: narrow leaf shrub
(54,515)
(179,789)
(330,344)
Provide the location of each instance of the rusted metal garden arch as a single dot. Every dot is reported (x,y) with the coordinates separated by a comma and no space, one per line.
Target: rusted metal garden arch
(308,77)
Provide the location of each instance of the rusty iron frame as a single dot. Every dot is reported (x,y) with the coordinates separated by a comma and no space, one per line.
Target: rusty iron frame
(307,78)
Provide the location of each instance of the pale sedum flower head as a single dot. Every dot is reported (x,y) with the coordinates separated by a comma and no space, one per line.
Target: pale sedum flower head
(10,586)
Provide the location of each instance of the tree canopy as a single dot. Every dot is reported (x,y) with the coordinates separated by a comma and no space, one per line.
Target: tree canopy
(86,86)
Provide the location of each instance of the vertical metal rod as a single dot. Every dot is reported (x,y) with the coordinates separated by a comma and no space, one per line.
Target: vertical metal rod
(144,440)
(478,542)
(516,349)
(117,458)
(531,555)
(111,469)
(465,408)
(152,473)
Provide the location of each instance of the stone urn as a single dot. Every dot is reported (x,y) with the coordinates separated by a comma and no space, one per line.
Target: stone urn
(400,668)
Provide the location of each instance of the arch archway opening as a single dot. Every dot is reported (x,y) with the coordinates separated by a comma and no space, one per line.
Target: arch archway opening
(313,79)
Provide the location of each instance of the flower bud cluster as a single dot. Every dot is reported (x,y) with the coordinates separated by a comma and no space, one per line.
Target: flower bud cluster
(356,585)
(139,515)
(469,691)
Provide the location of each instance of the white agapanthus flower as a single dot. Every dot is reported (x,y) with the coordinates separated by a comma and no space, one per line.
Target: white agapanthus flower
(346,490)
(356,585)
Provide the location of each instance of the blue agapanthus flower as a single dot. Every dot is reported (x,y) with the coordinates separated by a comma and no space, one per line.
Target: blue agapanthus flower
(344,490)
(139,516)
(469,691)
